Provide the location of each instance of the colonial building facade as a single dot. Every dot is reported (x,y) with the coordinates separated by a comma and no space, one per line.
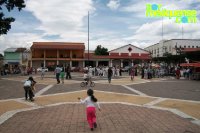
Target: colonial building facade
(173,46)
(50,54)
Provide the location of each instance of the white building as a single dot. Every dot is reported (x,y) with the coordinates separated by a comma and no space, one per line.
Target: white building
(172,46)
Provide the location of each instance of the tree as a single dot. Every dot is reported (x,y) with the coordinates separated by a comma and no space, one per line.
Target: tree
(5,22)
(101,50)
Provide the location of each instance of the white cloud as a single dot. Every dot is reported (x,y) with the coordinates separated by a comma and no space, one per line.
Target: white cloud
(15,40)
(152,32)
(113,4)
(57,17)
(61,17)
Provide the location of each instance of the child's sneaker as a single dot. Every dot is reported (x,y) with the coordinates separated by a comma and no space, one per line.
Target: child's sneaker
(95,125)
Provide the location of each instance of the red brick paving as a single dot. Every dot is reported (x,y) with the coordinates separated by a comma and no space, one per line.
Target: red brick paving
(114,118)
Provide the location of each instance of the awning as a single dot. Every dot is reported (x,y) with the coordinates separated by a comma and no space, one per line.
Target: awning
(13,63)
(190,64)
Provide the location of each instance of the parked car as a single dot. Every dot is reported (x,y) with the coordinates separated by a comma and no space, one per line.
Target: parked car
(40,69)
(126,69)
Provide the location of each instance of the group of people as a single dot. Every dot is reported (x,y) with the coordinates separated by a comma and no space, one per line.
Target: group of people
(102,71)
(185,72)
(60,73)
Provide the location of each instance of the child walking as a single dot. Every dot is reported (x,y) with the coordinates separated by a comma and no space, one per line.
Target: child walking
(62,75)
(91,103)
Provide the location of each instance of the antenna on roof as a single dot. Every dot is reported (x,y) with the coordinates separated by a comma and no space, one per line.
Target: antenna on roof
(182,30)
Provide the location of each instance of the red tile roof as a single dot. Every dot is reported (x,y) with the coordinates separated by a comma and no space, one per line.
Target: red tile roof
(58,45)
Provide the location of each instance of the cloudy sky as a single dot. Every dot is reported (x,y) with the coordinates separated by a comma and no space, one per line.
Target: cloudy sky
(113,23)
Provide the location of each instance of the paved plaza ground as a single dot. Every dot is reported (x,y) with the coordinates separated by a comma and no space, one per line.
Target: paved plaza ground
(164,105)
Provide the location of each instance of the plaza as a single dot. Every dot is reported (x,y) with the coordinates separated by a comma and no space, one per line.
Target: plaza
(153,62)
(140,106)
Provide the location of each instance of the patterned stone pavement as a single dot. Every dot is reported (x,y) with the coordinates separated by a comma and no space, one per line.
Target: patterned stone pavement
(113,118)
(126,106)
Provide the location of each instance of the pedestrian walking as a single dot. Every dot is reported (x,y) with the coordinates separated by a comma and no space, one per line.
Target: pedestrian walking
(62,75)
(68,72)
(110,73)
(57,72)
(91,104)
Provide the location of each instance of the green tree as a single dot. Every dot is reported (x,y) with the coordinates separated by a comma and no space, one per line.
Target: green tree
(5,22)
(101,50)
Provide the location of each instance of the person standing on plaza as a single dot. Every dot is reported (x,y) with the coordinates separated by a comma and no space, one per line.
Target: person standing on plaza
(68,72)
(57,72)
(120,71)
(91,104)
(178,73)
(142,72)
(42,72)
(132,73)
(28,88)
(110,73)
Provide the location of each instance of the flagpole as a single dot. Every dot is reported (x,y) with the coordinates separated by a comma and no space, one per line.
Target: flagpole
(162,28)
(88,37)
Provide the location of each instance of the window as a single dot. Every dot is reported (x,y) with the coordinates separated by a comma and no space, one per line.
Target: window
(184,46)
(188,46)
(196,46)
(192,46)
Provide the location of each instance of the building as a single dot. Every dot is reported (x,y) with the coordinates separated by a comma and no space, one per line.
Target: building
(173,46)
(1,63)
(127,55)
(15,58)
(50,54)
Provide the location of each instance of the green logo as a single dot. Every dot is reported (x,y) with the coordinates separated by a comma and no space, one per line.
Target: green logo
(181,16)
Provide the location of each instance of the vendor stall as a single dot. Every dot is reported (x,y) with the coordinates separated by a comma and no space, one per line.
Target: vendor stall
(195,69)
